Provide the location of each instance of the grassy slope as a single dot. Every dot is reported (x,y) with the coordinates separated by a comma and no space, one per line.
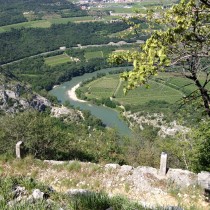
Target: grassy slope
(106,87)
(58,59)
(95,54)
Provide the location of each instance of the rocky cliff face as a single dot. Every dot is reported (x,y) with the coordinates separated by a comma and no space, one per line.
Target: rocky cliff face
(16,96)
(157,121)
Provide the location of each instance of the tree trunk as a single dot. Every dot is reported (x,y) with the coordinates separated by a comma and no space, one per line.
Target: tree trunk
(206,99)
(204,94)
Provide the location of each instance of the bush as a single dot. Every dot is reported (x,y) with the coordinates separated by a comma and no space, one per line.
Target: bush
(101,201)
(200,155)
(87,201)
(108,102)
(47,137)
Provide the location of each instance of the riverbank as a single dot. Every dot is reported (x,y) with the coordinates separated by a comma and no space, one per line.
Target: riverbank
(66,92)
(72,94)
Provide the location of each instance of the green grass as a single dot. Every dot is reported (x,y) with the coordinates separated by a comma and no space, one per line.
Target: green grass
(179,82)
(2,30)
(88,201)
(142,95)
(41,24)
(31,24)
(103,87)
(109,85)
(122,9)
(140,6)
(116,8)
(108,18)
(44,23)
(58,59)
(95,54)
(167,87)
(29,75)
(72,19)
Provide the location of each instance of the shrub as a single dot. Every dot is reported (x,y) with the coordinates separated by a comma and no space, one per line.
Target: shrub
(47,137)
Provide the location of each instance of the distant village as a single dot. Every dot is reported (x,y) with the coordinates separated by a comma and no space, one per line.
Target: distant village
(107,1)
(86,4)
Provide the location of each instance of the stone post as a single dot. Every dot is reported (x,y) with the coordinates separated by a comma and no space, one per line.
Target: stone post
(163,164)
(19,148)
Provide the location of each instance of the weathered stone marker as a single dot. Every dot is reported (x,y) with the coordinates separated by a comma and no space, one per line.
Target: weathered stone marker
(19,148)
(163,164)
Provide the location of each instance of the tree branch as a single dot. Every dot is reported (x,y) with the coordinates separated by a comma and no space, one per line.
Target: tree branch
(189,56)
(207,80)
(206,2)
(190,98)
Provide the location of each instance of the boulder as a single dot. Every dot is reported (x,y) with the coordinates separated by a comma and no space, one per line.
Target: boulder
(204,179)
(142,178)
(125,169)
(54,162)
(19,191)
(73,192)
(183,178)
(112,166)
(37,194)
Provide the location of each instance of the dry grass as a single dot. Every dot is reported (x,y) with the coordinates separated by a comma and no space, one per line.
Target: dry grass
(95,177)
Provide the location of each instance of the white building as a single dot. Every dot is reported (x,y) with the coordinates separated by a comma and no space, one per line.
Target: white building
(63,48)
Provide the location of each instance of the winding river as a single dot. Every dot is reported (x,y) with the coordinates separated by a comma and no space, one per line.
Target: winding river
(108,116)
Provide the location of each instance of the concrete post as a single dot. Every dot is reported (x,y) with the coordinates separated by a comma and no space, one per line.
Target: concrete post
(163,164)
(19,147)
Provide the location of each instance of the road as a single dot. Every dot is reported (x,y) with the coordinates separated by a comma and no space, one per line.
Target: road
(120,43)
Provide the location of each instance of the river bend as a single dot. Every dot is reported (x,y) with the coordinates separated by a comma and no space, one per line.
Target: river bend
(108,116)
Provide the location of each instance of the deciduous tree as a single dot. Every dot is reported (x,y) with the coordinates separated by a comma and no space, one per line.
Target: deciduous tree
(182,40)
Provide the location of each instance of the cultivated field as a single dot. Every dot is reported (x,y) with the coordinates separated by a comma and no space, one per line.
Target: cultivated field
(102,88)
(133,7)
(116,8)
(94,54)
(45,23)
(58,59)
(169,87)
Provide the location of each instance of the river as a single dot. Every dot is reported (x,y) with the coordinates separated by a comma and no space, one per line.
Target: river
(108,116)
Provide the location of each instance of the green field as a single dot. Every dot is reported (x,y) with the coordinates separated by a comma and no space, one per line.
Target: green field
(102,88)
(94,54)
(118,8)
(44,23)
(50,19)
(58,59)
(131,8)
(166,87)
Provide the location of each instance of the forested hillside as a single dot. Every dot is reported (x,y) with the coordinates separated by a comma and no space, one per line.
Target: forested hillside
(12,11)
(25,42)
(41,76)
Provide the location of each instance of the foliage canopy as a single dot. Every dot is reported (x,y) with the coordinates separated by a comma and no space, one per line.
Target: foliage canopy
(182,40)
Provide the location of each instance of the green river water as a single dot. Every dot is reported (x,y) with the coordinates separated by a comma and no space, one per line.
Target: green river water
(108,116)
